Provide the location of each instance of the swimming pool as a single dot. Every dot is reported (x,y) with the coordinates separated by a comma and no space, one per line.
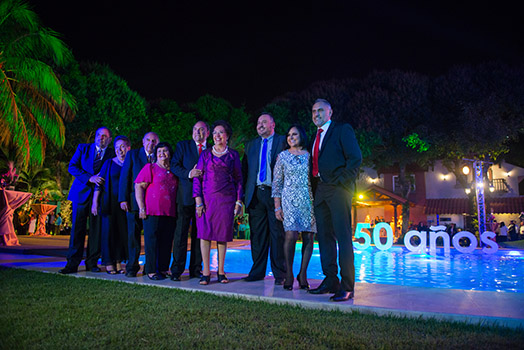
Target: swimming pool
(502,271)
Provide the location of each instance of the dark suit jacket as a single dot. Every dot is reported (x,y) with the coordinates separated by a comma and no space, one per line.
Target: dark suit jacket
(251,160)
(136,159)
(81,167)
(184,159)
(339,157)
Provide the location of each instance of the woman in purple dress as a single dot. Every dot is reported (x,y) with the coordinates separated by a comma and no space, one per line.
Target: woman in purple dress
(218,194)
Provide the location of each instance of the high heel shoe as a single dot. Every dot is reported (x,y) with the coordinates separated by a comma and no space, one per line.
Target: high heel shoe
(290,285)
(302,286)
(204,280)
(222,279)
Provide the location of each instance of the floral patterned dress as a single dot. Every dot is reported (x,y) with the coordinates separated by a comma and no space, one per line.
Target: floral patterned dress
(291,184)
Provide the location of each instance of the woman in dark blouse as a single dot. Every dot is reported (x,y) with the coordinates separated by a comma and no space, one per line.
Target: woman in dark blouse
(105,202)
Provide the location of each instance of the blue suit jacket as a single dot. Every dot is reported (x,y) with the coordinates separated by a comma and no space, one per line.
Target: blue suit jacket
(81,167)
(136,159)
(251,160)
(184,159)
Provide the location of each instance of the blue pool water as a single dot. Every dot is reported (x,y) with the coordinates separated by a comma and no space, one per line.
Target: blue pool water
(502,271)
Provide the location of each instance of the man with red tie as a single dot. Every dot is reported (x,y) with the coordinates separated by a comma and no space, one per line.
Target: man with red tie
(85,166)
(183,164)
(336,158)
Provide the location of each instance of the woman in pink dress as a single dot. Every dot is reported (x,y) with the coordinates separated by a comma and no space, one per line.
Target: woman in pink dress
(218,194)
(155,191)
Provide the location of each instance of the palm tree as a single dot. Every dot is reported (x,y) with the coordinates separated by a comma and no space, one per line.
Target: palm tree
(33,103)
(38,182)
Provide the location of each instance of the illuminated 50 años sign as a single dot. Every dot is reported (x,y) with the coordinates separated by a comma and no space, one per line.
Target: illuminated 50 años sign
(436,232)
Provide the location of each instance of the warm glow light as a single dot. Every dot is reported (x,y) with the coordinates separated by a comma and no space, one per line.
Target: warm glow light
(468,190)
(372,180)
(360,196)
(444,177)
(491,188)
(506,174)
(465,170)
(480,184)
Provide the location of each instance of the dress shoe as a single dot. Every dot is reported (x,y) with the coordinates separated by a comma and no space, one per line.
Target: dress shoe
(324,288)
(252,279)
(175,278)
(157,277)
(94,269)
(342,295)
(195,274)
(67,270)
(130,274)
(279,281)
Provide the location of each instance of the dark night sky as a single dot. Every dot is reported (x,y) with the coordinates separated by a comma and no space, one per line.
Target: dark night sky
(251,52)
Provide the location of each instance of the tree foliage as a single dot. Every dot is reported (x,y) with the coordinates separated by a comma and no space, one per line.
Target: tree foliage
(478,111)
(104,99)
(41,182)
(211,109)
(169,121)
(33,103)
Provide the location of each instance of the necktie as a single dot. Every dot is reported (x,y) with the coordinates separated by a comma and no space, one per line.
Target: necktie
(150,158)
(315,153)
(97,164)
(263,162)
(199,149)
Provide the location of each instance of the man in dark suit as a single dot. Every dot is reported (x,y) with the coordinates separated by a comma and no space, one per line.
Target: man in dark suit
(136,159)
(336,158)
(184,162)
(85,166)
(267,233)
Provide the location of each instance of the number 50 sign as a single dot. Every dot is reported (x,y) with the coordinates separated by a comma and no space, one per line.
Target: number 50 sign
(360,233)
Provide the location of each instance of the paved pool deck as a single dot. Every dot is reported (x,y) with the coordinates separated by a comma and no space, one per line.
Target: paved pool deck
(475,307)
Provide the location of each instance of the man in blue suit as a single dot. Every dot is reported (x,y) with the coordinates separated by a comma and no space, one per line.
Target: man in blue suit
(184,162)
(136,159)
(85,166)
(335,162)
(267,233)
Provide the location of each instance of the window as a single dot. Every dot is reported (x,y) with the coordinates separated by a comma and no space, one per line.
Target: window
(410,178)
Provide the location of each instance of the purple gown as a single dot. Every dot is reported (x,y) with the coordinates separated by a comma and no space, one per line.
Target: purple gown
(220,187)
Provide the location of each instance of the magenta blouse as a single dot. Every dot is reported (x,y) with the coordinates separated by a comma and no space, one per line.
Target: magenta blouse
(161,191)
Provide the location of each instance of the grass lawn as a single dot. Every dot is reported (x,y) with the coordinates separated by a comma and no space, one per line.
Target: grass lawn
(47,311)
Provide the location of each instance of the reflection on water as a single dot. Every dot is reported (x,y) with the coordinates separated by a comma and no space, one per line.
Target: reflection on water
(501,271)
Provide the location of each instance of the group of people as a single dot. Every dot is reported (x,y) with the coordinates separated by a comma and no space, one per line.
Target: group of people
(287,186)
(25,222)
(511,232)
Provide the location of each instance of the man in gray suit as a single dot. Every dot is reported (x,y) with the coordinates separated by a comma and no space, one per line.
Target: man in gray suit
(267,233)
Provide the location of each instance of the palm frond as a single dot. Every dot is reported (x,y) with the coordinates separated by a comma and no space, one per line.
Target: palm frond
(32,100)
(19,12)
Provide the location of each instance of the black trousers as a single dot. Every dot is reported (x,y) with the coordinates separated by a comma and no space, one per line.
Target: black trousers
(158,240)
(81,216)
(134,241)
(267,235)
(333,215)
(186,221)
(114,237)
